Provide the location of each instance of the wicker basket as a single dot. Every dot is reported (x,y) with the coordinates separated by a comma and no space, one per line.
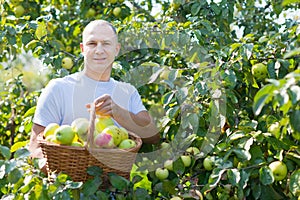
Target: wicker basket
(74,161)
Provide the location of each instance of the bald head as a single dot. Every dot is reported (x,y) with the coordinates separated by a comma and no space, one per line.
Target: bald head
(97,23)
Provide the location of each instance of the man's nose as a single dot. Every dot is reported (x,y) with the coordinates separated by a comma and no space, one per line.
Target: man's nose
(99,48)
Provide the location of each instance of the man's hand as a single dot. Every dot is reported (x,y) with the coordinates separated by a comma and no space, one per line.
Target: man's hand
(140,123)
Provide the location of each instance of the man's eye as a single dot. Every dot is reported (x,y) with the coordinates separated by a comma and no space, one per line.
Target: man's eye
(91,43)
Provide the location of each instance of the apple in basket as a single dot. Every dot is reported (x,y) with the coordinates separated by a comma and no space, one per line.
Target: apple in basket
(81,126)
(104,140)
(102,122)
(124,134)
(64,134)
(127,144)
(50,129)
(115,132)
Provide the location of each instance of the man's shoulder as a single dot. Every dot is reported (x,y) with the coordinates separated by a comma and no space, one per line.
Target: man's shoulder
(63,82)
(124,85)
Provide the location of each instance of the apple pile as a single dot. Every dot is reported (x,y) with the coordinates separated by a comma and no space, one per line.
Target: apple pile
(106,134)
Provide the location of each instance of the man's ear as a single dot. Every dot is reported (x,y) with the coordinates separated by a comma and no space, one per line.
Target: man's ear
(118,49)
(81,47)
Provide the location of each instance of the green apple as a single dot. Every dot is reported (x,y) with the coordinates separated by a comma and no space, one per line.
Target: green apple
(127,144)
(67,63)
(193,150)
(278,169)
(81,127)
(275,129)
(165,145)
(168,164)
(176,198)
(114,131)
(187,160)
(65,134)
(161,173)
(113,1)
(124,133)
(19,10)
(50,129)
(104,140)
(102,122)
(117,11)
(90,13)
(208,163)
(259,71)
(77,144)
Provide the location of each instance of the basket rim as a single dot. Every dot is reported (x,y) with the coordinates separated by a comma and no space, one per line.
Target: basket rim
(136,138)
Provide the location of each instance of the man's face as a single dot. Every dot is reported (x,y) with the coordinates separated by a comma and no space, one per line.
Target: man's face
(99,47)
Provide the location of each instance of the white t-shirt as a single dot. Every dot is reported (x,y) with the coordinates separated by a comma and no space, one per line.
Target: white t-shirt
(64,99)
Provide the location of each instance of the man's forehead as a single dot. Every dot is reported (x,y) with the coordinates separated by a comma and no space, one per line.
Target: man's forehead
(99,32)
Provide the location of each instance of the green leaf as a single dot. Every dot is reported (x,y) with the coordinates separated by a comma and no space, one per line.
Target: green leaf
(294,120)
(141,193)
(266,176)
(41,30)
(18,145)
(117,181)
(242,154)
(295,183)
(215,177)
(294,93)
(94,171)
(262,97)
(233,176)
(294,52)
(178,167)
(30,112)
(14,176)
(21,153)
(91,186)
(195,8)
(5,152)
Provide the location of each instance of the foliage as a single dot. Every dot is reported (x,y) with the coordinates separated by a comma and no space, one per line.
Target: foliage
(192,66)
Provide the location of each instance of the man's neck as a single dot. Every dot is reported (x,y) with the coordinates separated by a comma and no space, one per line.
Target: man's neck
(103,77)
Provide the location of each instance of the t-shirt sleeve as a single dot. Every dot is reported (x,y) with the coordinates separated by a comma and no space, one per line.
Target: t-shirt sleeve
(48,109)
(136,104)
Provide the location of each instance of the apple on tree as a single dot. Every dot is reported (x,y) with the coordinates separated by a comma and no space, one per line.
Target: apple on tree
(208,163)
(278,169)
(161,173)
(259,71)
(187,160)
(168,164)
(65,134)
(67,63)
(193,150)
(19,10)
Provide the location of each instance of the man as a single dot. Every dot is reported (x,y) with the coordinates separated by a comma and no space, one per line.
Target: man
(65,99)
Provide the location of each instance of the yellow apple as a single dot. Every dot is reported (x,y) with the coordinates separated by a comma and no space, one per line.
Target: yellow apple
(114,131)
(81,126)
(50,129)
(67,63)
(278,169)
(124,133)
(19,10)
(117,11)
(102,122)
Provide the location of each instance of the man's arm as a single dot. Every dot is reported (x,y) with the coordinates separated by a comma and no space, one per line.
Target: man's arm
(35,150)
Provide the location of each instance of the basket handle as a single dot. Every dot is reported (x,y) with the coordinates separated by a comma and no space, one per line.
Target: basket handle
(91,130)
